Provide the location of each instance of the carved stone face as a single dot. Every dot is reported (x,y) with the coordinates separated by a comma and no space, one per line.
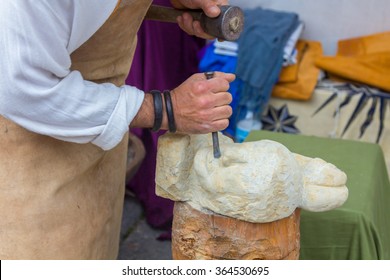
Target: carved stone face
(255,181)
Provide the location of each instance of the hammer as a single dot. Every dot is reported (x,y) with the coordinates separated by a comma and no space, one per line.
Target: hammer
(227,26)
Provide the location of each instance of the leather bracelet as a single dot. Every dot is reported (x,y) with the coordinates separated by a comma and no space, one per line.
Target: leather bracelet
(158,109)
(169,109)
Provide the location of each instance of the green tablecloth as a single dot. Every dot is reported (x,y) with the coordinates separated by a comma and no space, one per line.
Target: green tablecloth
(360,229)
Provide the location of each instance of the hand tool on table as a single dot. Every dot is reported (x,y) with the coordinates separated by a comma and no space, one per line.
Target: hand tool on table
(227,26)
(216,150)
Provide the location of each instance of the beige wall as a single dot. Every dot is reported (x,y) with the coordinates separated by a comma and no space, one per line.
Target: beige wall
(330,20)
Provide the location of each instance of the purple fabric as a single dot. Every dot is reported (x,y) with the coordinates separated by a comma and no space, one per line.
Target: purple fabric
(164,58)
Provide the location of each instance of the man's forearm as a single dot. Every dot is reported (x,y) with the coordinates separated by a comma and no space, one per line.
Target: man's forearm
(145,115)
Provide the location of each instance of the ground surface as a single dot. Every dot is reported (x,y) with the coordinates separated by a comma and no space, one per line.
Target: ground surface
(138,239)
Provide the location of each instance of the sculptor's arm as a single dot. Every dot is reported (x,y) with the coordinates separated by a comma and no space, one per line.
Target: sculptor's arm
(199,105)
(40,92)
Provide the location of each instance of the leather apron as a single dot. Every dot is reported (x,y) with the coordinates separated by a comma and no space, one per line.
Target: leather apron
(62,200)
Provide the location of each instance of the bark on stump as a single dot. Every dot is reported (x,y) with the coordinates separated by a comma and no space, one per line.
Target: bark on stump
(200,236)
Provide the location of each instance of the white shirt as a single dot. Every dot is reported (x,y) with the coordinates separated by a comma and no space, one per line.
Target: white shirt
(37,89)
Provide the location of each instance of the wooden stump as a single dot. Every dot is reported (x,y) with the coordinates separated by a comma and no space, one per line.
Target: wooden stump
(200,236)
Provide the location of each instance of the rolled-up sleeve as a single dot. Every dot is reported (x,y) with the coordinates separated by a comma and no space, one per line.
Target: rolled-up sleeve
(37,89)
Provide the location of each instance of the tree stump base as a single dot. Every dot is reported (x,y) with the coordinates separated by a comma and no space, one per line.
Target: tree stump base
(200,236)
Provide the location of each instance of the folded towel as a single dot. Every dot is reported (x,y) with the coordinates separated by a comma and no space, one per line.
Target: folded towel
(260,53)
(298,81)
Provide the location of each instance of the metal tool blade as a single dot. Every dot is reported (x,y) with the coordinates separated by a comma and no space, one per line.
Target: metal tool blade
(216,149)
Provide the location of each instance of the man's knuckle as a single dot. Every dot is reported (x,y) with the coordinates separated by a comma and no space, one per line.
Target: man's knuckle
(205,103)
(199,87)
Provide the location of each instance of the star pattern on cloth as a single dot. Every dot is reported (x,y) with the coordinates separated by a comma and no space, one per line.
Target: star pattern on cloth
(279,120)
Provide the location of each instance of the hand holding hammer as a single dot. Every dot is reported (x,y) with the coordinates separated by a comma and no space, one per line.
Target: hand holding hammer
(227,26)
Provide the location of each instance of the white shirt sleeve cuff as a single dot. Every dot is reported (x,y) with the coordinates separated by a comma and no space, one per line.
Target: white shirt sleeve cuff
(129,103)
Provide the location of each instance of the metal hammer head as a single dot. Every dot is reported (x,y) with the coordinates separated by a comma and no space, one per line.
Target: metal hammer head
(227,26)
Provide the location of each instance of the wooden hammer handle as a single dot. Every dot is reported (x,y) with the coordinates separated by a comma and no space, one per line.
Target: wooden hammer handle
(166,14)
